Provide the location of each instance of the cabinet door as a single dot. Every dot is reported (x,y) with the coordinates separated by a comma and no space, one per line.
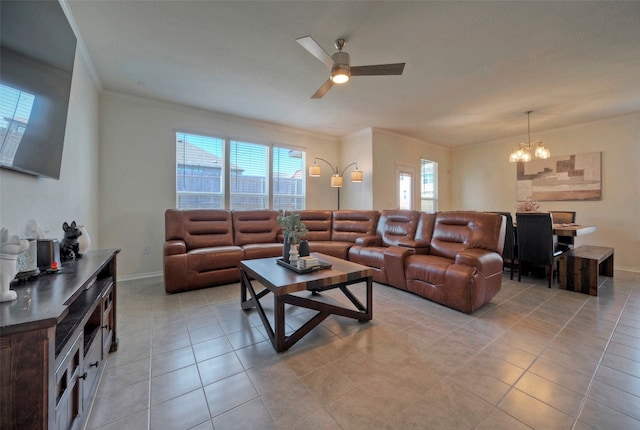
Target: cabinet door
(108,319)
(92,366)
(69,387)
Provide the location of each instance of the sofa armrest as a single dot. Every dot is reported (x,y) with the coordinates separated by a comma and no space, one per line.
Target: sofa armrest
(417,247)
(174,247)
(369,241)
(487,262)
(394,264)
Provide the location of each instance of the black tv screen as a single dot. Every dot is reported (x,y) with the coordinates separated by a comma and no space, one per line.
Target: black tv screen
(37,51)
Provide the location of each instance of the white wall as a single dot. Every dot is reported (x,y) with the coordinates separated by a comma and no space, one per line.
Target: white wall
(75,195)
(483,179)
(357,148)
(391,149)
(137,169)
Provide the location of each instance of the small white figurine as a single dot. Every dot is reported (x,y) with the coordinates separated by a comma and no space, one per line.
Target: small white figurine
(10,247)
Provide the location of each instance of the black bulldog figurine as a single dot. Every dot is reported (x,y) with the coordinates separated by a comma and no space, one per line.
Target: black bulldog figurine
(69,247)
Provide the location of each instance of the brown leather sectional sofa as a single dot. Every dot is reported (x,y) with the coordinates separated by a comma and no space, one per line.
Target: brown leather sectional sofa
(453,258)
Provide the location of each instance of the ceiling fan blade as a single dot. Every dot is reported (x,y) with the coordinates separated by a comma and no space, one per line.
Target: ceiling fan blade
(378,69)
(323,89)
(316,50)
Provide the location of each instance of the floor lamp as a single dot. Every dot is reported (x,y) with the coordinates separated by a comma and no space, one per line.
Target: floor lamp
(336,178)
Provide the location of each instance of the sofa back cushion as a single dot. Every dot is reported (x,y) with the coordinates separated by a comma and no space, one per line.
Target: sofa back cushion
(318,223)
(458,230)
(424,230)
(199,228)
(255,226)
(396,225)
(348,225)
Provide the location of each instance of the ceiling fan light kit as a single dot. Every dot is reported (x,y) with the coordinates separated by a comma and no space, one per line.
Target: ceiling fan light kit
(340,64)
(522,152)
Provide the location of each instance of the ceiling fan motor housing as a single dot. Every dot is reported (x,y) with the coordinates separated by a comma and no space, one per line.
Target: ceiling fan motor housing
(341,59)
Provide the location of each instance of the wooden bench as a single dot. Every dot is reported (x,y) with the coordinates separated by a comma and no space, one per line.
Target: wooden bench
(580,268)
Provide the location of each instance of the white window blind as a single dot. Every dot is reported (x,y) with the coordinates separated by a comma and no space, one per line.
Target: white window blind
(257,176)
(249,176)
(200,171)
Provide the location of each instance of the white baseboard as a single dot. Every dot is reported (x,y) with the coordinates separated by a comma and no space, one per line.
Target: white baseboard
(140,276)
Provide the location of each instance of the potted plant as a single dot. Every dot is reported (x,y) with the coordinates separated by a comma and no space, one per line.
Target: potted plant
(292,228)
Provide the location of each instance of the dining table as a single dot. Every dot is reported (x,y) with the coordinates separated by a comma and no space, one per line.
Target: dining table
(573,229)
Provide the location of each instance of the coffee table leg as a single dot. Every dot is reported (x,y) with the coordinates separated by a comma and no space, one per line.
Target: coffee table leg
(279,344)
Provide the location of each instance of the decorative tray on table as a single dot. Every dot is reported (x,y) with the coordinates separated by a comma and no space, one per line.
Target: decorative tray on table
(320,266)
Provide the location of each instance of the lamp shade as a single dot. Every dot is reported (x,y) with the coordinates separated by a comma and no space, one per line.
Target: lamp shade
(356,175)
(336,181)
(314,170)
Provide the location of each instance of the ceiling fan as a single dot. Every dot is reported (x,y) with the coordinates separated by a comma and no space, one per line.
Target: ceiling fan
(341,70)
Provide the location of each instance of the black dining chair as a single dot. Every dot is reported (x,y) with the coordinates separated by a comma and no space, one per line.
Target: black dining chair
(536,243)
(564,217)
(509,253)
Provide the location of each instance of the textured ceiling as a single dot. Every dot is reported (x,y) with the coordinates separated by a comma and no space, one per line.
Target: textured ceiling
(472,68)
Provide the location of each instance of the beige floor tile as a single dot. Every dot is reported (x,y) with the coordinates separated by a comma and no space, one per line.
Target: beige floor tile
(562,375)
(219,367)
(180,413)
(500,420)
(552,394)
(533,412)
(171,360)
(289,404)
(229,393)
(173,384)
(615,398)
(618,379)
(532,351)
(114,405)
(117,377)
(136,421)
(249,416)
(211,348)
(599,416)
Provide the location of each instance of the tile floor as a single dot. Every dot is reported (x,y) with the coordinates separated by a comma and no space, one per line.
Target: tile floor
(533,358)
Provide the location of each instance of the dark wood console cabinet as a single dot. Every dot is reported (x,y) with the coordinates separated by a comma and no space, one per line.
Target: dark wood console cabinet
(54,340)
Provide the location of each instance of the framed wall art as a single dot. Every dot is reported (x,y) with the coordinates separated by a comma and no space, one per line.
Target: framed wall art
(570,177)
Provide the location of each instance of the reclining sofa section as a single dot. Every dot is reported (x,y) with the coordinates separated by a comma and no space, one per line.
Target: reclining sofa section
(452,258)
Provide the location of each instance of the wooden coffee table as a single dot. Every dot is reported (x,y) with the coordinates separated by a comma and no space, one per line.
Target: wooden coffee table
(283,282)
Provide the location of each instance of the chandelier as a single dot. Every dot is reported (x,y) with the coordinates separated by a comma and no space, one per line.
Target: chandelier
(522,152)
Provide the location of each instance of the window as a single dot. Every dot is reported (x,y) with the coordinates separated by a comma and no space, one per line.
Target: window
(428,186)
(215,173)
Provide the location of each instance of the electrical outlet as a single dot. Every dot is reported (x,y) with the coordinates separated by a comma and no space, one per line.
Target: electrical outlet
(146,249)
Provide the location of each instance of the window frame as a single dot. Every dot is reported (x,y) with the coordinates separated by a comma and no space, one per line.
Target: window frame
(424,175)
(299,200)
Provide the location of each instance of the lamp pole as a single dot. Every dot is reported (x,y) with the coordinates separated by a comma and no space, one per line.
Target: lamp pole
(335,171)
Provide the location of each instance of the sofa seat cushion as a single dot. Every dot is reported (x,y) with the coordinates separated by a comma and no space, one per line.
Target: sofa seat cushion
(207,259)
(261,250)
(372,256)
(431,269)
(335,248)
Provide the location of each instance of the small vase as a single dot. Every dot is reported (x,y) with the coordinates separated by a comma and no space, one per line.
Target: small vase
(285,250)
(293,254)
(304,248)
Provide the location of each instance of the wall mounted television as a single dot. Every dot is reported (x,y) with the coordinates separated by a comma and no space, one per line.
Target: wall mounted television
(37,52)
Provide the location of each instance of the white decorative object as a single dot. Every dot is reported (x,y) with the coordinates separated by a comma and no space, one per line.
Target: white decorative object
(84,241)
(28,260)
(33,230)
(10,247)
(293,254)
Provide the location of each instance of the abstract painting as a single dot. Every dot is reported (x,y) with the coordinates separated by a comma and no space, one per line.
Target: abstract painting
(570,177)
